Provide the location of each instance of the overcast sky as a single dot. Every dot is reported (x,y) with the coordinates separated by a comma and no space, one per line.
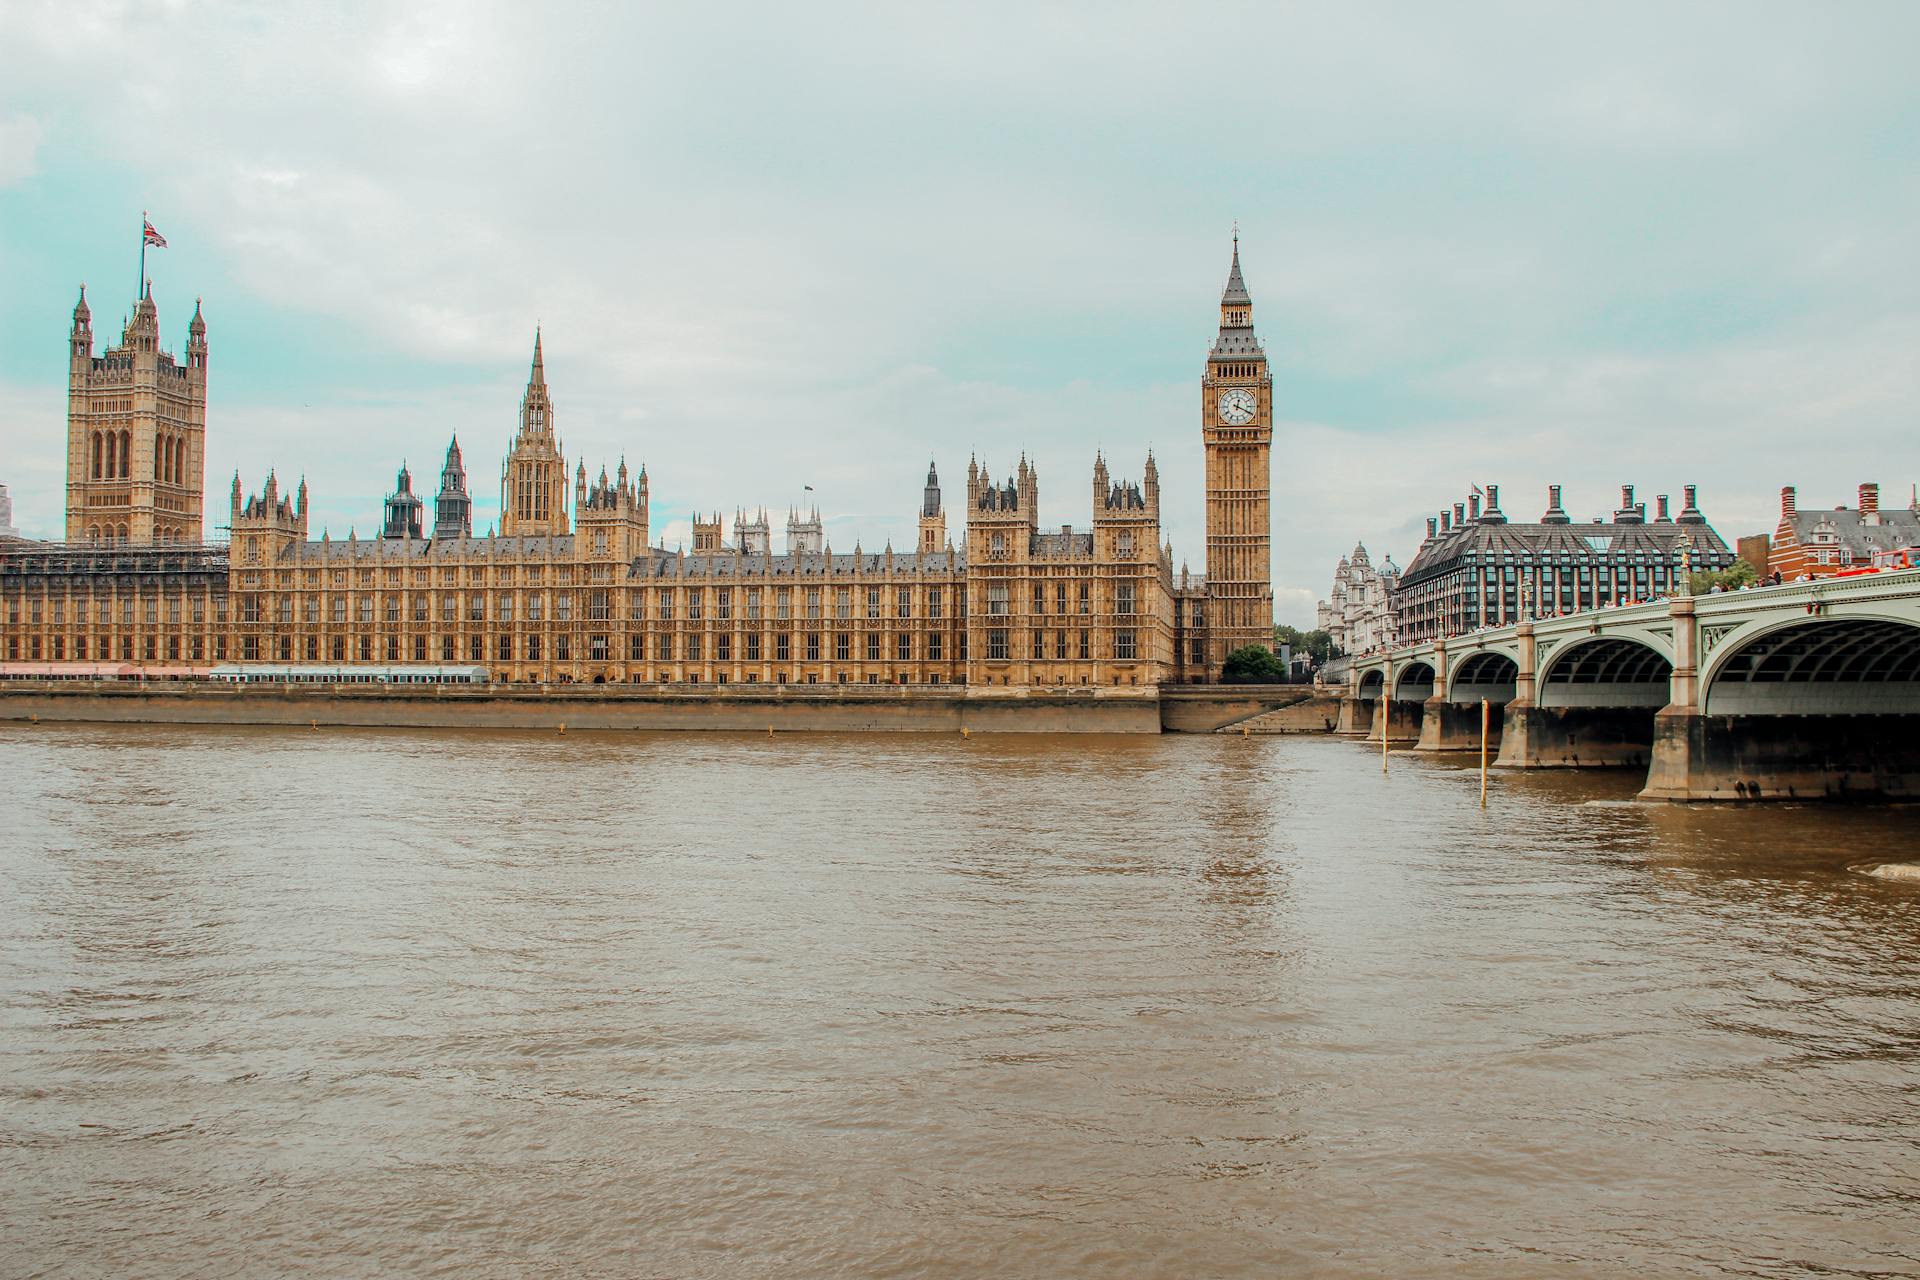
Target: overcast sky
(804,244)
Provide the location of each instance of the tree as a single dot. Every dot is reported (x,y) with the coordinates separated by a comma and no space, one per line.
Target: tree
(1732,578)
(1317,645)
(1253,664)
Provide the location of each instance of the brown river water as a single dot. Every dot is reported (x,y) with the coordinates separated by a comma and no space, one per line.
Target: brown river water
(359,1003)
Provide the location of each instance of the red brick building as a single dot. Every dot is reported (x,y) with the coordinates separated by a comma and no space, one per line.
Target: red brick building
(1818,543)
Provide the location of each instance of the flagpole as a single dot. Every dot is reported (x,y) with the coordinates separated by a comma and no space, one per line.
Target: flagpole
(140,286)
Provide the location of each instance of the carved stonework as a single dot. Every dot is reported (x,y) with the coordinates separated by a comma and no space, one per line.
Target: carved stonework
(1711,636)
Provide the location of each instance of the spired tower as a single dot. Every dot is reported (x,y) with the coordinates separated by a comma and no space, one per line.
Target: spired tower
(754,536)
(1236,415)
(933,516)
(533,484)
(136,432)
(403,508)
(453,508)
(805,534)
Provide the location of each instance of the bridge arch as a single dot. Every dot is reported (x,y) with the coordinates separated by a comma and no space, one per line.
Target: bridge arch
(1487,674)
(1607,671)
(1413,682)
(1852,665)
(1373,683)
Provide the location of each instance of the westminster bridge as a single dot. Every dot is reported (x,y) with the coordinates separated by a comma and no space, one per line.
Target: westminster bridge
(1804,690)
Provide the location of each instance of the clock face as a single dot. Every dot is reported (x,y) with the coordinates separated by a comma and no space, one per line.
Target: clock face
(1237,406)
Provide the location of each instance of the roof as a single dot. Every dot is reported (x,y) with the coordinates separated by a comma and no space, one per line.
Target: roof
(657,562)
(1063,544)
(1591,542)
(1236,290)
(340,550)
(1896,528)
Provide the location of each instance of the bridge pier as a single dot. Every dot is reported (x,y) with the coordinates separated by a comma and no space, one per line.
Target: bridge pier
(1356,717)
(1455,726)
(1806,690)
(1783,757)
(1535,737)
(1402,722)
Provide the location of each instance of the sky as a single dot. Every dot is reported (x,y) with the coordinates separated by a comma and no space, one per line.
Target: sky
(788,245)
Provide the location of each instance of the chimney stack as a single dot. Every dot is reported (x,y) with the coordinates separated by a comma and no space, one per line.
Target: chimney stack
(1626,497)
(1446,522)
(1473,505)
(1431,523)
(1869,498)
(1459,514)
(1493,497)
(1786,500)
(1662,504)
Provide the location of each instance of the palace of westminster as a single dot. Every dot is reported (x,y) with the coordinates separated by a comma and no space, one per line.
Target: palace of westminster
(572,587)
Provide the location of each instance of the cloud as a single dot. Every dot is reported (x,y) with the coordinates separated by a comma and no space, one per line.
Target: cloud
(20,138)
(773,246)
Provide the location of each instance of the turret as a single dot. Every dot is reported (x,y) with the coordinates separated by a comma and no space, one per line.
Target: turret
(453,506)
(805,534)
(143,330)
(706,532)
(82,335)
(933,514)
(402,516)
(752,536)
(264,527)
(197,340)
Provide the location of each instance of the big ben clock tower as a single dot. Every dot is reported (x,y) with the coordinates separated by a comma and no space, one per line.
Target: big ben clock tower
(1236,414)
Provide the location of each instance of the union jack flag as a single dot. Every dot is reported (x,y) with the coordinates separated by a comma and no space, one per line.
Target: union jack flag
(152,237)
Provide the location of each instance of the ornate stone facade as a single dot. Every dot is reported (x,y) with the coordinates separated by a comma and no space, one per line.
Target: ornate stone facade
(573,588)
(1236,412)
(136,432)
(1359,613)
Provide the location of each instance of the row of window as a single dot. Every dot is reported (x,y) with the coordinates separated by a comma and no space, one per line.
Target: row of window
(1000,645)
(150,648)
(726,603)
(54,609)
(812,646)
(999,599)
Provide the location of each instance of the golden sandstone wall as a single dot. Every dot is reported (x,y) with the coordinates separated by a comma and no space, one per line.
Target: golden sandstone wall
(854,709)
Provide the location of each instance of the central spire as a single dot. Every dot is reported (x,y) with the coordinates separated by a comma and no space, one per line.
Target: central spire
(1236,293)
(539,375)
(1236,340)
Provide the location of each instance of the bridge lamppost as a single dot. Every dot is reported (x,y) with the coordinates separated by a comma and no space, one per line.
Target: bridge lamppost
(1686,565)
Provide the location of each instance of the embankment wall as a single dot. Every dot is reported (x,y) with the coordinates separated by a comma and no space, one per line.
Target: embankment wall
(885,709)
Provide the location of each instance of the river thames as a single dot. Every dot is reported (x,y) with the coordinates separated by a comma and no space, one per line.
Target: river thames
(351,1003)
